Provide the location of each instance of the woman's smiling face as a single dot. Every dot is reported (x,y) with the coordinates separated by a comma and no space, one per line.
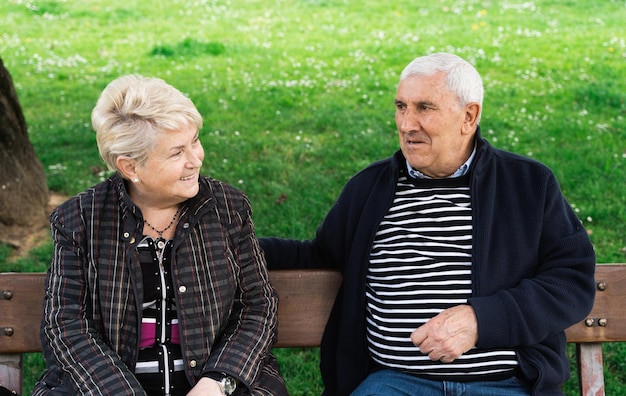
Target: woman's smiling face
(170,173)
(435,130)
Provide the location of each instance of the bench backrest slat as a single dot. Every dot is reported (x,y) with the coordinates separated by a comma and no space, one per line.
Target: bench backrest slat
(607,320)
(20,311)
(306,299)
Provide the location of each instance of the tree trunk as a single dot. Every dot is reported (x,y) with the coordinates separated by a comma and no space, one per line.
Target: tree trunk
(23,188)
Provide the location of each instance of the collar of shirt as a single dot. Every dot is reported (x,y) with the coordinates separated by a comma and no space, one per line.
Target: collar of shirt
(414,173)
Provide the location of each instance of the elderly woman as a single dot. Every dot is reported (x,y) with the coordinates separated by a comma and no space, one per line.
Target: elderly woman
(157,285)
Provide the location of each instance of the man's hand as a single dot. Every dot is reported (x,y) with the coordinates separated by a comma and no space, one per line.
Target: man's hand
(448,335)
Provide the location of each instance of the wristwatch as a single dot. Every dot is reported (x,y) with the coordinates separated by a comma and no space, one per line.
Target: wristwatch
(228,384)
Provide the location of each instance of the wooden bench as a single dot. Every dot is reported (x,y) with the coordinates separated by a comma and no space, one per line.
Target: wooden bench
(306,297)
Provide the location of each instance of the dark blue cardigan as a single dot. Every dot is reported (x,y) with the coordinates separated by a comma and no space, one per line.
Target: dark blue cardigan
(532,265)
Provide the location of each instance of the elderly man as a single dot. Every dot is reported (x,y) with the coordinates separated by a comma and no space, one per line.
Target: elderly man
(462,264)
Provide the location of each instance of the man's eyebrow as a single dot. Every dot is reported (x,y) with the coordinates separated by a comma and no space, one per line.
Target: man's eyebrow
(418,103)
(425,103)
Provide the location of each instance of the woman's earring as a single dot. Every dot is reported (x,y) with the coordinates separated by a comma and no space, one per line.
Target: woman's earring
(135,180)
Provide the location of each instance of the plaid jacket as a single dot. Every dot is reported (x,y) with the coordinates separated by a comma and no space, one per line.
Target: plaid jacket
(92,306)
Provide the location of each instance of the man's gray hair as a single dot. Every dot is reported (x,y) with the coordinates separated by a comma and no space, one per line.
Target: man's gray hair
(462,78)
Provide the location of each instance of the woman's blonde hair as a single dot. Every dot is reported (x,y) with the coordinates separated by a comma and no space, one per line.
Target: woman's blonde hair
(133,111)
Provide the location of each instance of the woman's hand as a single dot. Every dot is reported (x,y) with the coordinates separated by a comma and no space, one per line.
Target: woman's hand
(206,387)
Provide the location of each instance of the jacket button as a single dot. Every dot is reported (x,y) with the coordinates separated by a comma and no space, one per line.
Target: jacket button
(182,289)
(126,234)
(186,225)
(192,364)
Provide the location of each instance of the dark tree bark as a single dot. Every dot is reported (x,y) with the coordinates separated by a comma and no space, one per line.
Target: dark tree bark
(23,189)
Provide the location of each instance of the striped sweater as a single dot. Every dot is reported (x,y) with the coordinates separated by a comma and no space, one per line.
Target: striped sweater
(421,264)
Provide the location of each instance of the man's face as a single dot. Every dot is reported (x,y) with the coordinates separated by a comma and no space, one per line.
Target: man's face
(435,131)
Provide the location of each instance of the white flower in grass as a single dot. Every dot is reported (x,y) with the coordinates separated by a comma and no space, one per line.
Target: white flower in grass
(57,168)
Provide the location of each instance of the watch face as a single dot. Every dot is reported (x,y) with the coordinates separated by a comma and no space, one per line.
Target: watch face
(229,385)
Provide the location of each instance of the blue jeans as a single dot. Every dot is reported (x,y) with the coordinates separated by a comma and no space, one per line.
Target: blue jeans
(395,383)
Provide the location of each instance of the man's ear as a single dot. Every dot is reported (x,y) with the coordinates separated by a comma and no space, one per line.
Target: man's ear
(472,111)
(127,165)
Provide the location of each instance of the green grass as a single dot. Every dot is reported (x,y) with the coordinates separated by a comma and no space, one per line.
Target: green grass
(297,95)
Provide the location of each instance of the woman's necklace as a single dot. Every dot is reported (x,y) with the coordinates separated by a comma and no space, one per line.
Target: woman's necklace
(160,232)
